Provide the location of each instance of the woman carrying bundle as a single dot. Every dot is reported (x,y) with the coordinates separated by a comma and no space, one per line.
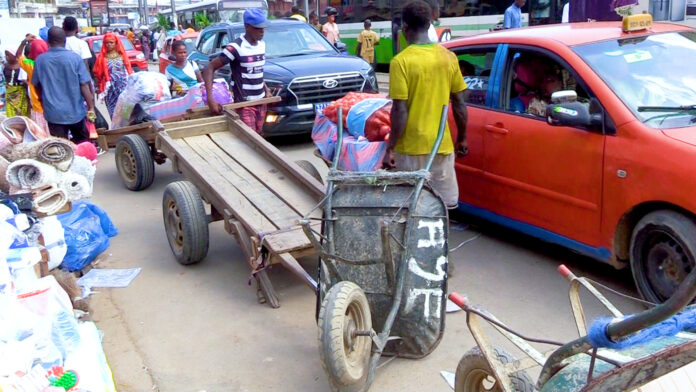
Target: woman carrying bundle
(112,68)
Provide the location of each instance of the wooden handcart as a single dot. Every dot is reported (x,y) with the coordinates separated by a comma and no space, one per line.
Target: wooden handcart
(136,154)
(250,185)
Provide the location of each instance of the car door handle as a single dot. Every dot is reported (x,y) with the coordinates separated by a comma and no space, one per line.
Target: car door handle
(497,128)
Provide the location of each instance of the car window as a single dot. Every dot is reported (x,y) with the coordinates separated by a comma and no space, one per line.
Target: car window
(224,40)
(653,75)
(531,78)
(207,43)
(475,66)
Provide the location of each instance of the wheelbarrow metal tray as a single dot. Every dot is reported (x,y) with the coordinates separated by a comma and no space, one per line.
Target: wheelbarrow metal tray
(639,364)
(360,207)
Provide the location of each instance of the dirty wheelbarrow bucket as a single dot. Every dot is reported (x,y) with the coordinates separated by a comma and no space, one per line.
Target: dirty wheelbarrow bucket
(382,276)
(651,350)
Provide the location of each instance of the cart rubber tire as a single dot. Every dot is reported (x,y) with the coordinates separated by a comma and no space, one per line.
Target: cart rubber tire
(185,222)
(473,370)
(134,162)
(663,251)
(344,359)
(310,168)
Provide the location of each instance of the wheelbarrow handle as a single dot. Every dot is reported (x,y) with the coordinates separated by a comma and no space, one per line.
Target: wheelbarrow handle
(458,299)
(438,140)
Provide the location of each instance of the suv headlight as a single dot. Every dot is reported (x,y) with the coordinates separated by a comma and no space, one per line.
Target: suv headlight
(140,56)
(276,86)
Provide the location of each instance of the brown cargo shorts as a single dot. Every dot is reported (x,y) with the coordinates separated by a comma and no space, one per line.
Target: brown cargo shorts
(442,176)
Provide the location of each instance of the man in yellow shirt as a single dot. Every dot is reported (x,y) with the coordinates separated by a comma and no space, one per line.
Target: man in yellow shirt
(422,78)
(366,43)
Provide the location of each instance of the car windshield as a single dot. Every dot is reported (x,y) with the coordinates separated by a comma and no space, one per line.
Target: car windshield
(653,75)
(97,44)
(293,40)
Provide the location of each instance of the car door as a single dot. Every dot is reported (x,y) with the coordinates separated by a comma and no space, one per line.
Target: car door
(538,175)
(477,64)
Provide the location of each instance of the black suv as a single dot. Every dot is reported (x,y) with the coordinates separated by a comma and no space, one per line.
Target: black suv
(302,67)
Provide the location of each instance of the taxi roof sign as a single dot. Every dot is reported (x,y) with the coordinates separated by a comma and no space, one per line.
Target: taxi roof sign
(637,22)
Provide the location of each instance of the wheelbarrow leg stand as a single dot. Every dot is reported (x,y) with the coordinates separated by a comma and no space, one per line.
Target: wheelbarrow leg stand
(264,288)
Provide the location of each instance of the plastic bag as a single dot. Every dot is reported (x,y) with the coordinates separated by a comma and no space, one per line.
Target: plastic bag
(324,135)
(361,155)
(361,112)
(87,231)
(144,88)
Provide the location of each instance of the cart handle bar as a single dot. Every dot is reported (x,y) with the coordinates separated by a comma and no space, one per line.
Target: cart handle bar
(458,300)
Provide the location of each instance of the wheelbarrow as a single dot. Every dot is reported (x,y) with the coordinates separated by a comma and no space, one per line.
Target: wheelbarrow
(382,273)
(616,354)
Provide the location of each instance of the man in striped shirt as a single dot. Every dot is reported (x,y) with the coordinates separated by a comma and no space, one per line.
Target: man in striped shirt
(246,57)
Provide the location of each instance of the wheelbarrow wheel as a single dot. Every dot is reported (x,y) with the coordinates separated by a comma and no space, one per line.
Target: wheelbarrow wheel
(310,169)
(474,374)
(185,222)
(134,162)
(344,356)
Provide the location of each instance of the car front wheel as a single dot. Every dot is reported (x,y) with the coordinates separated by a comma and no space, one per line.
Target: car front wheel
(663,250)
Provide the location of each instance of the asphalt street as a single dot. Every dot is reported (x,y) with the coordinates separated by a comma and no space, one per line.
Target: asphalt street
(200,327)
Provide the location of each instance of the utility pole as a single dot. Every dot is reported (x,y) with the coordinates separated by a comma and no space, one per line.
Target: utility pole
(306,9)
(174,18)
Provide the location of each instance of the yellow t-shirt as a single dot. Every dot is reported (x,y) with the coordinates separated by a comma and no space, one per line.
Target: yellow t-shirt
(424,75)
(367,40)
(28,67)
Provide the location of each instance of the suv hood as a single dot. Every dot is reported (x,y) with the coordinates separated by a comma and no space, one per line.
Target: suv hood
(685,134)
(288,68)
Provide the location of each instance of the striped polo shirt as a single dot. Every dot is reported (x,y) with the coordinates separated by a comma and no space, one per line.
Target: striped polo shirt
(246,63)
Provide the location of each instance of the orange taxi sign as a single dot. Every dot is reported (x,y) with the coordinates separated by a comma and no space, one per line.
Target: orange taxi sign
(637,22)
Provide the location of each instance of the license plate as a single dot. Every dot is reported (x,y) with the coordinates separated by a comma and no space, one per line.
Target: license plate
(319,107)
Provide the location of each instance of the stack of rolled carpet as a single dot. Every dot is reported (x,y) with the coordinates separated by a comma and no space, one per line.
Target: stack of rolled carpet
(48,168)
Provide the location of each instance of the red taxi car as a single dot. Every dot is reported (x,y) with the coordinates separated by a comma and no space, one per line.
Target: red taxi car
(137,58)
(189,40)
(609,174)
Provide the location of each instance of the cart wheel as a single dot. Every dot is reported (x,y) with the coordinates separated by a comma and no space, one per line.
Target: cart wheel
(134,162)
(474,373)
(185,222)
(310,168)
(344,356)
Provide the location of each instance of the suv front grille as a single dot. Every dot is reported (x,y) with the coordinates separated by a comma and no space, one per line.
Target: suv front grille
(313,89)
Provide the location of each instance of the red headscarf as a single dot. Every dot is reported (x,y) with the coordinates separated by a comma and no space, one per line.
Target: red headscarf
(101,66)
(36,48)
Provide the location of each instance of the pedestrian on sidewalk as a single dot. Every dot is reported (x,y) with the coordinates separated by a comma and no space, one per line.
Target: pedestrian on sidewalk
(297,14)
(111,70)
(73,43)
(422,79)
(16,99)
(314,21)
(145,43)
(513,15)
(434,16)
(330,28)
(366,44)
(37,47)
(246,56)
(63,84)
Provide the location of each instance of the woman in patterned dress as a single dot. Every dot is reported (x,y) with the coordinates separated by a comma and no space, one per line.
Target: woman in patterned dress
(111,70)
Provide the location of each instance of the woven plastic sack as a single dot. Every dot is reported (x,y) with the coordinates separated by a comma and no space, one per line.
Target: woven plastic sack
(361,155)
(359,114)
(87,231)
(144,88)
(324,133)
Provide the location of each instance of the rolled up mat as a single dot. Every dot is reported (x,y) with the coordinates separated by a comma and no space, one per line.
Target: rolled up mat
(30,174)
(21,129)
(4,185)
(75,186)
(49,200)
(53,151)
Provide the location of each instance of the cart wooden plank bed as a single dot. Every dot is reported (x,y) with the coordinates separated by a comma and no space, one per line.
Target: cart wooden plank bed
(257,191)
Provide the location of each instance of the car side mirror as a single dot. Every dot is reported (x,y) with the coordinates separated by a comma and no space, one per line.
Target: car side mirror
(572,114)
(342,47)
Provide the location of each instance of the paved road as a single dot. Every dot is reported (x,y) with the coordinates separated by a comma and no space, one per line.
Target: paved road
(200,328)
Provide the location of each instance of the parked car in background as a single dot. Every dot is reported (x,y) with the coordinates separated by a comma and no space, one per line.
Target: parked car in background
(609,168)
(188,38)
(137,58)
(302,67)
